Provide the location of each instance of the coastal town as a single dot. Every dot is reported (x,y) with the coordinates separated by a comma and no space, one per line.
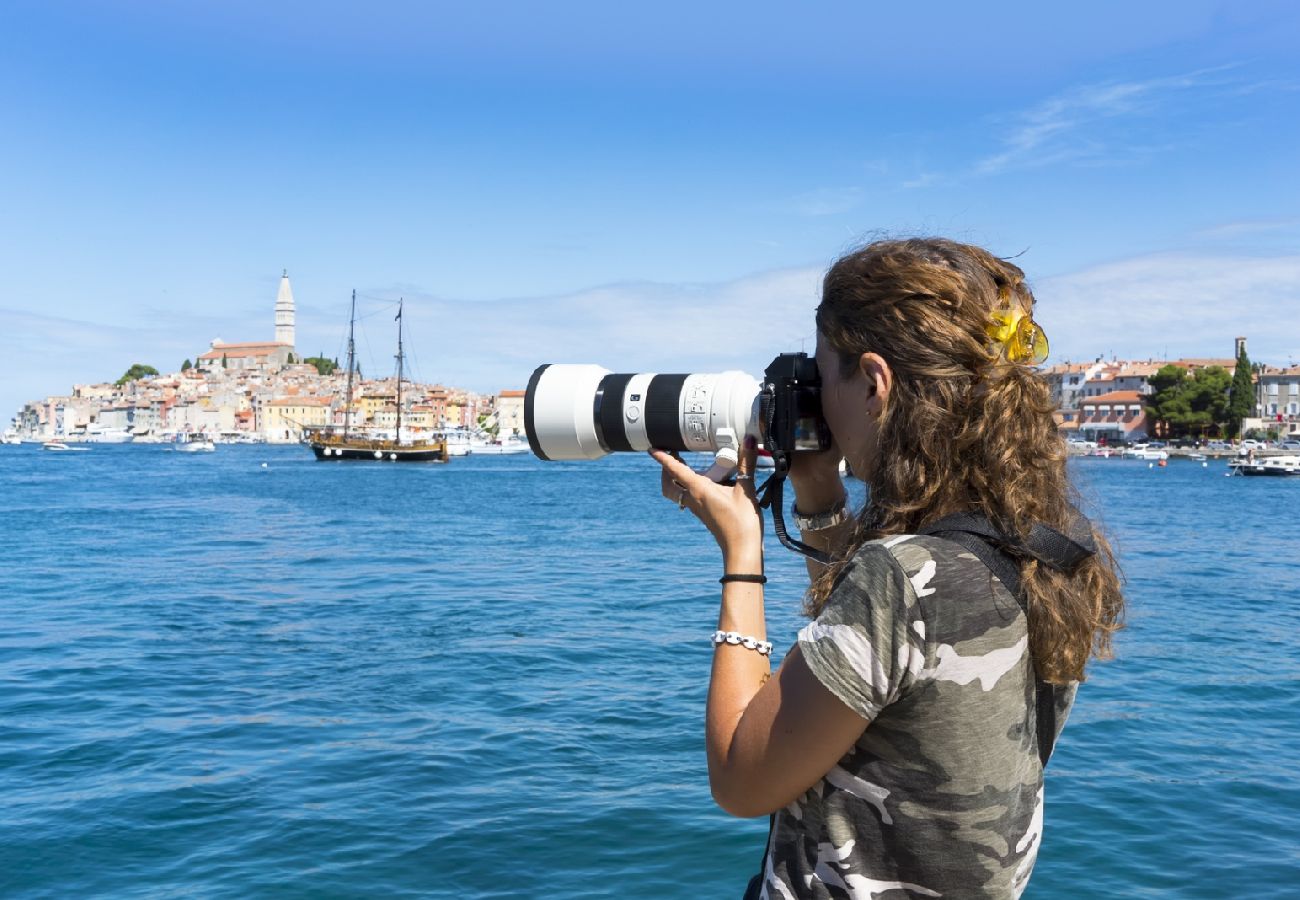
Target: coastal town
(266,392)
(261,392)
(1118,402)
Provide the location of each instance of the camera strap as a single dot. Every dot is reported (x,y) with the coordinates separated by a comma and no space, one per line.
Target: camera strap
(999,553)
(769,497)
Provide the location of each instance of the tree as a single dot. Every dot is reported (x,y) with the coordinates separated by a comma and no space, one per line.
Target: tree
(186,366)
(323,366)
(137,371)
(1189,404)
(225,363)
(289,360)
(1241,398)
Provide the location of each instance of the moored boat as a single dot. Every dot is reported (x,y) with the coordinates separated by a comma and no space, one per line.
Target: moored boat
(1267,466)
(353,444)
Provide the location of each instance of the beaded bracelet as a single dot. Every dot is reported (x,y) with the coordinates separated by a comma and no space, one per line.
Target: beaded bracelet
(743,640)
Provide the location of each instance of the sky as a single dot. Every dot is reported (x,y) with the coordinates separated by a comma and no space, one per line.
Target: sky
(649,187)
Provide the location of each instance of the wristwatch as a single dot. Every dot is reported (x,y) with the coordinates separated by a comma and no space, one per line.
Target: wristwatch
(836,515)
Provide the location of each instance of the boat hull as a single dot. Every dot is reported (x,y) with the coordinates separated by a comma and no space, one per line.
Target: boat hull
(338,453)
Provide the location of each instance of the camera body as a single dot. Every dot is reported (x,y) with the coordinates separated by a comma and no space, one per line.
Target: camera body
(586,412)
(790,409)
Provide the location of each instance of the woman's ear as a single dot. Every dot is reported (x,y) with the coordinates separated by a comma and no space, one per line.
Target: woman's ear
(879,381)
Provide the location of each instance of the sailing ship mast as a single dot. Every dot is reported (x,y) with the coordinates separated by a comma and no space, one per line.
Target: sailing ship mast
(397,435)
(352,354)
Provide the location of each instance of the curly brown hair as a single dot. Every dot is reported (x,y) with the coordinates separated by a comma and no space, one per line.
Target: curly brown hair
(964,429)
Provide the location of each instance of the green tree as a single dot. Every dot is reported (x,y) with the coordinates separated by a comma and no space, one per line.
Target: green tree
(289,360)
(323,366)
(137,371)
(225,363)
(186,366)
(1241,397)
(1192,404)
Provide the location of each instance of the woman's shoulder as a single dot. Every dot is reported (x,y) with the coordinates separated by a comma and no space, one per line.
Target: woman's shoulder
(938,578)
(920,558)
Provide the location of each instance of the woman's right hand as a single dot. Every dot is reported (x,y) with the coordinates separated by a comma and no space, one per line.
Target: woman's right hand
(815,477)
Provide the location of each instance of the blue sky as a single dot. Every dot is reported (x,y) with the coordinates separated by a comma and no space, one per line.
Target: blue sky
(653,188)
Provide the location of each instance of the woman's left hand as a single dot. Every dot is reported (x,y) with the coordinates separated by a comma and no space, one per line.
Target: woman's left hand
(730,512)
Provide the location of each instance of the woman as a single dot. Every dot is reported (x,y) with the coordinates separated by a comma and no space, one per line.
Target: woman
(897,745)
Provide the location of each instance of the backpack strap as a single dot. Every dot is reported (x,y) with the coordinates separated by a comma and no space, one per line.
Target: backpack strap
(999,554)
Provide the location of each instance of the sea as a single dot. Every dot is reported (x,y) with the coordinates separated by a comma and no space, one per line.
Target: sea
(251,674)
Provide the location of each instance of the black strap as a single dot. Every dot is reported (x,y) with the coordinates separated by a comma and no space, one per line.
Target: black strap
(999,553)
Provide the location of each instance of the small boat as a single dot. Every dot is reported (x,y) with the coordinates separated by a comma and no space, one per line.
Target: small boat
(98,434)
(61,447)
(193,442)
(458,442)
(1269,466)
(1141,451)
(506,447)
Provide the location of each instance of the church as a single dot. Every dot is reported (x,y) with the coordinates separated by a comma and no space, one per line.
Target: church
(268,356)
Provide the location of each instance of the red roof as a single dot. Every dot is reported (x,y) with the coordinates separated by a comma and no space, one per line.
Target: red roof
(1113,397)
(246,349)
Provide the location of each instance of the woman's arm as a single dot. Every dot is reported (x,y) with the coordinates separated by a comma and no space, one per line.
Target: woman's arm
(767,740)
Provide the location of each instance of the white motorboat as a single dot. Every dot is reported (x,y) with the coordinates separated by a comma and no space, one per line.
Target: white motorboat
(193,442)
(10,437)
(61,447)
(97,434)
(458,442)
(1268,465)
(498,448)
(1142,451)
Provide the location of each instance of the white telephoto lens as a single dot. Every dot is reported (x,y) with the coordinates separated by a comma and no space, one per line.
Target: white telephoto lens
(585,411)
(558,412)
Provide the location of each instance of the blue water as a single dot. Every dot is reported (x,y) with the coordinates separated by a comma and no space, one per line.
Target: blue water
(248,673)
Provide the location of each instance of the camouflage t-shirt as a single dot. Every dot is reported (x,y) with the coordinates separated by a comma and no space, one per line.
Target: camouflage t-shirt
(942,795)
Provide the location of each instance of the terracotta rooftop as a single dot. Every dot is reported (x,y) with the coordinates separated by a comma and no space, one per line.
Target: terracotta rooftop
(1113,397)
(300,401)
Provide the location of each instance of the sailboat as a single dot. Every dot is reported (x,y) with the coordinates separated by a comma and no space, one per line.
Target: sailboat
(352,443)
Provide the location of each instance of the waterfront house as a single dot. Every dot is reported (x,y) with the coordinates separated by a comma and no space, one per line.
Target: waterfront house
(284,418)
(1113,417)
(510,413)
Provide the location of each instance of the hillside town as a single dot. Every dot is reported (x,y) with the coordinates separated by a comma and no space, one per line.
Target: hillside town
(255,392)
(267,392)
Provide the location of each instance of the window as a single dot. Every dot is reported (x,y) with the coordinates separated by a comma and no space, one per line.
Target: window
(1272,388)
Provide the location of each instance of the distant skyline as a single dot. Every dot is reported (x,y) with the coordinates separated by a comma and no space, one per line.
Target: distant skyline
(652,188)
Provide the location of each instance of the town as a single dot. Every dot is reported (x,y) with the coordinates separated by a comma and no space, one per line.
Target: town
(1121,401)
(260,392)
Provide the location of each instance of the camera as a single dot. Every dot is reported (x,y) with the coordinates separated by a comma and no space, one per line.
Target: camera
(586,411)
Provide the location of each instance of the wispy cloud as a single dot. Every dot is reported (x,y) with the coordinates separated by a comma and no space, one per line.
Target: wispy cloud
(644,326)
(1245,228)
(1070,126)
(924,180)
(1182,303)
(826,201)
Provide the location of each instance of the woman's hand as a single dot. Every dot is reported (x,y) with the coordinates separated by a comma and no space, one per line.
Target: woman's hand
(815,477)
(729,512)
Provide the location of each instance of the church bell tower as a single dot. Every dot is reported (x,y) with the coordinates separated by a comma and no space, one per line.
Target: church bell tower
(284,312)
